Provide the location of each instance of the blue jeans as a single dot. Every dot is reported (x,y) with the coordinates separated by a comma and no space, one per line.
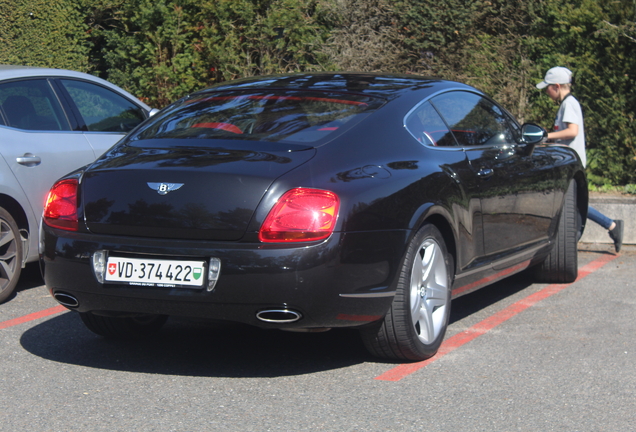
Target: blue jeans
(598,217)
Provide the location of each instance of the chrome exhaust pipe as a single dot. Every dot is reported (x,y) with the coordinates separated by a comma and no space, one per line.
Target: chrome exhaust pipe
(66,299)
(279,316)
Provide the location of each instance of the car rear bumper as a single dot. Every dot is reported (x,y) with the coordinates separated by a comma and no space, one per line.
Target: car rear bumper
(346,280)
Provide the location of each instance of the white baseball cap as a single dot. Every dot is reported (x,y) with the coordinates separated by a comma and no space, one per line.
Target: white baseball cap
(556,75)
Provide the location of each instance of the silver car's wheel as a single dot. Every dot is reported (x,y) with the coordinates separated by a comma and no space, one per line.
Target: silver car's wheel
(415,325)
(10,255)
(429,292)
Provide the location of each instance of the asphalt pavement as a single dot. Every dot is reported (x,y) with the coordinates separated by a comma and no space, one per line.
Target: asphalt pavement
(519,356)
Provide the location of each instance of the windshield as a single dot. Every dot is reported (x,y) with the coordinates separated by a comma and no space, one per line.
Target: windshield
(289,116)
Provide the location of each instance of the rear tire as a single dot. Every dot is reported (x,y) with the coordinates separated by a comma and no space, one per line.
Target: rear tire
(416,323)
(10,255)
(561,266)
(123,327)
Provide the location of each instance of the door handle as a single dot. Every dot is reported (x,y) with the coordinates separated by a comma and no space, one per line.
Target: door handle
(485,173)
(29,159)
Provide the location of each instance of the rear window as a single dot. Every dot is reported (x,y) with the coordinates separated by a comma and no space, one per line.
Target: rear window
(288,116)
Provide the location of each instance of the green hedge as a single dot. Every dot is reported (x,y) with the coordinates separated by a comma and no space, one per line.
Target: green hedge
(161,50)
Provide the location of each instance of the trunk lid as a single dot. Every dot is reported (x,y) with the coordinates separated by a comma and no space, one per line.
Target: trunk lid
(183,192)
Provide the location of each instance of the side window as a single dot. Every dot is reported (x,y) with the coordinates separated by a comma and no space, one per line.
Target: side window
(473,119)
(102,109)
(32,105)
(427,127)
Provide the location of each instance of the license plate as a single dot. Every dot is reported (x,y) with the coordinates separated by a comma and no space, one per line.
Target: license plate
(155,272)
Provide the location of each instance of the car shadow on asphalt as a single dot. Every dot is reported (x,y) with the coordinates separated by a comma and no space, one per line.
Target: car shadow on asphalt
(469,304)
(30,277)
(191,348)
(197,349)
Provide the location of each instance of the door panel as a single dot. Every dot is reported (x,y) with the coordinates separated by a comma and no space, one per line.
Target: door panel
(514,187)
(37,143)
(101,142)
(38,159)
(516,204)
(426,125)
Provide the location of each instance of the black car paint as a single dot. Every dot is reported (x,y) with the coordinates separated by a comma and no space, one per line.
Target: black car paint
(222,186)
(389,185)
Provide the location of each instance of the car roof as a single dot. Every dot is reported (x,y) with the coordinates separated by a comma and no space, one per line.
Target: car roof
(8,72)
(372,84)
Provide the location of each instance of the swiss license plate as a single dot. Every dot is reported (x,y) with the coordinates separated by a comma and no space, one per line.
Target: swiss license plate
(155,272)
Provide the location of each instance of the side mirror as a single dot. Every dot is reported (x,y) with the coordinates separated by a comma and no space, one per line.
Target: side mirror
(153,112)
(533,134)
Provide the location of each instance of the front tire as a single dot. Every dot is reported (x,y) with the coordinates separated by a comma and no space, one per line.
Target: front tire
(561,266)
(416,323)
(10,255)
(123,327)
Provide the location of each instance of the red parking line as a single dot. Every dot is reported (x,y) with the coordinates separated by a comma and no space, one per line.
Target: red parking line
(33,316)
(456,341)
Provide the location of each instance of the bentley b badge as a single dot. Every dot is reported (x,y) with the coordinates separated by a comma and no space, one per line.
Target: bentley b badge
(164,188)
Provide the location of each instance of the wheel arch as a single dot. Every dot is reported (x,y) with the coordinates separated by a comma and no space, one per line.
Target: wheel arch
(582,200)
(582,194)
(445,228)
(16,211)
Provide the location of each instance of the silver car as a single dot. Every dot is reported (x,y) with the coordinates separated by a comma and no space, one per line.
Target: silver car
(52,121)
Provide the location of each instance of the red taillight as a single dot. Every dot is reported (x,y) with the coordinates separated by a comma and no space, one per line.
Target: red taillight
(60,208)
(301,215)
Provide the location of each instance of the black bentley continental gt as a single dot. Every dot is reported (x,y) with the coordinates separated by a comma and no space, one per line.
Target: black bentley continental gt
(313,201)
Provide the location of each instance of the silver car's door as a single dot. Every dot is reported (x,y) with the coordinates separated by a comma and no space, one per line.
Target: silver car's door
(36,139)
(106,116)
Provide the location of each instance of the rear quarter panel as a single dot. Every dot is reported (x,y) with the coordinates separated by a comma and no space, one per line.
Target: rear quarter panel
(387,181)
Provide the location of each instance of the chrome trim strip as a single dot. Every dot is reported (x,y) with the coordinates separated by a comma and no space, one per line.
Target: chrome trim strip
(429,97)
(370,295)
(503,261)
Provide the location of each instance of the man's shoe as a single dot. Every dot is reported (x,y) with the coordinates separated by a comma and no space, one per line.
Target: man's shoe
(617,235)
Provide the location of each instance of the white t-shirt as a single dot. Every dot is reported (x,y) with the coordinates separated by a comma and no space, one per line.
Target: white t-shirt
(570,112)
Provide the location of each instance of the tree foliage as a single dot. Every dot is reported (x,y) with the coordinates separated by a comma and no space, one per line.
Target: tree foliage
(365,36)
(482,43)
(164,49)
(161,50)
(595,39)
(48,33)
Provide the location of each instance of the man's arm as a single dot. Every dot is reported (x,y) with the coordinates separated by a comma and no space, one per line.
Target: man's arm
(568,133)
